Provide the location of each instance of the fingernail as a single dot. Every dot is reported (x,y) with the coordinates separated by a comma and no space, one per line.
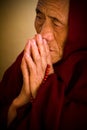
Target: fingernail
(44,41)
(33,41)
(40,37)
(27,55)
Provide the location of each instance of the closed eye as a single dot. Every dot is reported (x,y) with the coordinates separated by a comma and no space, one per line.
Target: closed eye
(56,21)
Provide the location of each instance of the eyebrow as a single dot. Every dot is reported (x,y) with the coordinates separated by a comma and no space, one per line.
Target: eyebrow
(38,11)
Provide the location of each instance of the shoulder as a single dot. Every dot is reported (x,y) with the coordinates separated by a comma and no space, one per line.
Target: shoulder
(77,85)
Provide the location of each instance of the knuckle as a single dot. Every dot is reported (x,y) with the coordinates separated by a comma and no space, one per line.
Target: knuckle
(38,59)
(32,68)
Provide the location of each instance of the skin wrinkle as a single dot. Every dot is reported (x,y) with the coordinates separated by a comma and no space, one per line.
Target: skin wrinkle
(60,103)
(34,62)
(52,23)
(60,4)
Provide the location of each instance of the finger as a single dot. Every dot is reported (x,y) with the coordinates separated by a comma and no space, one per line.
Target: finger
(40,44)
(25,71)
(42,50)
(30,62)
(35,52)
(49,61)
(27,47)
(48,56)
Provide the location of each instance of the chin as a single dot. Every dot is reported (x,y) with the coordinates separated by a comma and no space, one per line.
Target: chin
(56,59)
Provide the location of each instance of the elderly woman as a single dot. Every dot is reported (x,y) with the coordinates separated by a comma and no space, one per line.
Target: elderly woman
(46,87)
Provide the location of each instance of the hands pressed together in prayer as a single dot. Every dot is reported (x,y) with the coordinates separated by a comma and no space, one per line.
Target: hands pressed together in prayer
(34,64)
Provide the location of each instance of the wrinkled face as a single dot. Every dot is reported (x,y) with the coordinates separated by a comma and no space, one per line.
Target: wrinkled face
(52,23)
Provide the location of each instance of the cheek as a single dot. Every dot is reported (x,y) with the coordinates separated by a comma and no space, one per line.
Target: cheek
(60,36)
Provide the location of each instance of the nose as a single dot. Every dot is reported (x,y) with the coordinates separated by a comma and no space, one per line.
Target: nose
(47,31)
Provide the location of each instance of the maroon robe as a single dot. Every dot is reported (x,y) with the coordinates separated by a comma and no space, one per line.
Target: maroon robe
(61,102)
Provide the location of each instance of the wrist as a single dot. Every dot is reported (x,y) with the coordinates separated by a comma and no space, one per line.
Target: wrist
(12,113)
(15,103)
(20,101)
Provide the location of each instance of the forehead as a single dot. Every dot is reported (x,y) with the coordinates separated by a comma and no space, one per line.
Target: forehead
(54,7)
(53,4)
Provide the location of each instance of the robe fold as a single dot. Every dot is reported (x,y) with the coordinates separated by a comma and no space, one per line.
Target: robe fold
(61,102)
